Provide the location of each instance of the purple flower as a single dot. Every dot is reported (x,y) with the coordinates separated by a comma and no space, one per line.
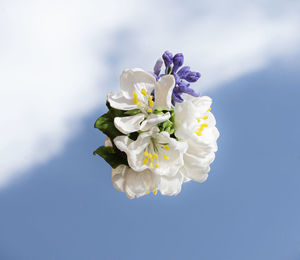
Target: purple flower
(188,90)
(182,84)
(182,76)
(178,61)
(157,67)
(192,76)
(168,59)
(176,97)
(184,71)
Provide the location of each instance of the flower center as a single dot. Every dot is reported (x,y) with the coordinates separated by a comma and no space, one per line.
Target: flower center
(144,106)
(202,126)
(151,157)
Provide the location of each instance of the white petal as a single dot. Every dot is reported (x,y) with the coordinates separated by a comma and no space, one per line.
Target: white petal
(135,80)
(129,124)
(184,113)
(122,142)
(191,109)
(194,174)
(196,167)
(140,183)
(175,153)
(170,185)
(163,92)
(154,119)
(134,149)
(118,177)
(133,183)
(201,104)
(119,101)
(205,143)
(184,130)
(143,140)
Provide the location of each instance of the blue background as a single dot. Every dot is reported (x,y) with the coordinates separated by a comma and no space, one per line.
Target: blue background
(247,209)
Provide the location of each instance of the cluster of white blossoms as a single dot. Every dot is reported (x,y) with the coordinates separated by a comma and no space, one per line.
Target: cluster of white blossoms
(151,144)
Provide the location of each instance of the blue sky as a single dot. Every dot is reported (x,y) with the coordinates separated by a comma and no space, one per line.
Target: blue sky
(58,61)
(247,209)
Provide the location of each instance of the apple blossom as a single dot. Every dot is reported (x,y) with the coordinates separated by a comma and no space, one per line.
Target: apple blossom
(136,93)
(195,124)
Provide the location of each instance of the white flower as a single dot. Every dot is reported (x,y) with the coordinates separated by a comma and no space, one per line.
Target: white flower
(137,184)
(134,183)
(153,150)
(136,88)
(195,124)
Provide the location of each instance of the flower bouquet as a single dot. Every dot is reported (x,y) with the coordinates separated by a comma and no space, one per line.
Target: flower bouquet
(159,132)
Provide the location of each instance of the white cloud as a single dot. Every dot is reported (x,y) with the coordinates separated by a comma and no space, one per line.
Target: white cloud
(54,62)
(223,39)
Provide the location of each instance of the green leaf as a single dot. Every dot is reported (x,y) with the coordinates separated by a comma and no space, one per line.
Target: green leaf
(105,123)
(132,112)
(108,105)
(133,136)
(168,129)
(113,158)
(172,131)
(172,118)
(169,70)
(167,123)
(158,110)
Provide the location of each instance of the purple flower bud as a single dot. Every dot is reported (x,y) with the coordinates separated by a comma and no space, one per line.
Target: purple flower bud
(176,98)
(157,66)
(168,59)
(192,76)
(183,84)
(177,79)
(178,61)
(183,71)
(176,90)
(189,91)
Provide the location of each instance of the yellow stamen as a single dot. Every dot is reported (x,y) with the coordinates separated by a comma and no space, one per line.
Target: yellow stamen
(166,157)
(151,164)
(150,99)
(205,117)
(145,154)
(135,100)
(155,155)
(150,155)
(134,94)
(145,161)
(144,92)
(198,120)
(149,110)
(199,132)
(208,109)
(155,192)
(166,147)
(156,165)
